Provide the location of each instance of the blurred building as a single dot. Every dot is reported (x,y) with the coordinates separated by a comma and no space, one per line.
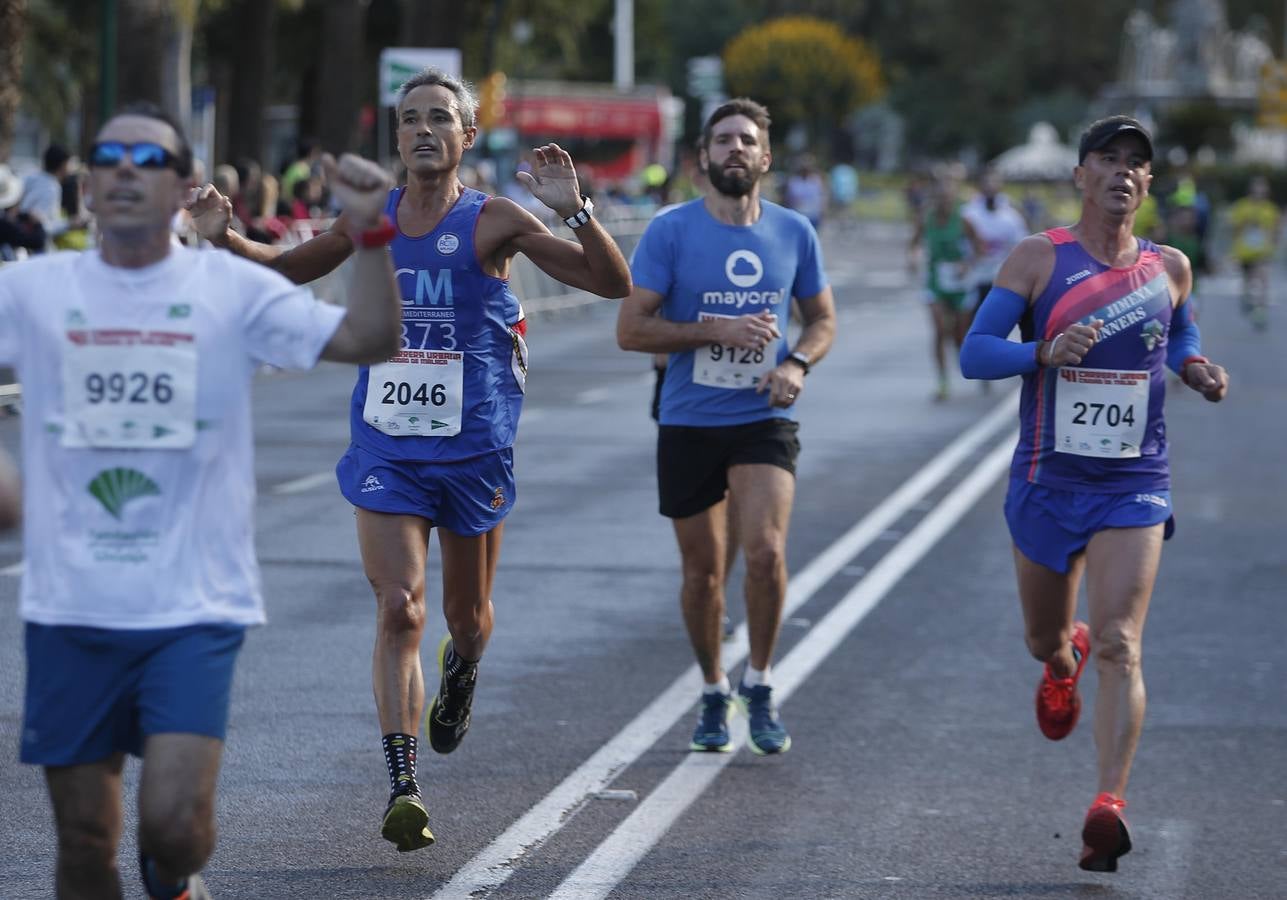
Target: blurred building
(1192,58)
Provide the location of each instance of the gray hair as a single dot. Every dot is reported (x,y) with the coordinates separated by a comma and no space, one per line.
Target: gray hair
(466,102)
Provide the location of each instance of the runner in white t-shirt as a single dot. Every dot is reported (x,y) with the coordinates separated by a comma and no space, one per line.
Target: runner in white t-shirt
(993,227)
(136,361)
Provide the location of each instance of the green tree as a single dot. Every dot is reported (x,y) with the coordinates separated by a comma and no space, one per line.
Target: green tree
(967,74)
(13,18)
(806,70)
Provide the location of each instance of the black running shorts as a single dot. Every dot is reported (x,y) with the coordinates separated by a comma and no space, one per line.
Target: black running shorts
(693,462)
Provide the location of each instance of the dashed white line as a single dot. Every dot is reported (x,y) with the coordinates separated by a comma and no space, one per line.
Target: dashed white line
(1171,876)
(493,865)
(307,483)
(621,851)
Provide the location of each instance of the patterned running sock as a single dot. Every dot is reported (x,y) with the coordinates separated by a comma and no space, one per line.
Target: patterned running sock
(400,757)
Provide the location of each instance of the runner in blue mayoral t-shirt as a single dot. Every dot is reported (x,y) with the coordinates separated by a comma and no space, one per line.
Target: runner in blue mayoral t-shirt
(432,429)
(714,281)
(1101,313)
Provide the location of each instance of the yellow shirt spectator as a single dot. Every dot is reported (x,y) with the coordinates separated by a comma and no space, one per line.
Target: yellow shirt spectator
(1255,229)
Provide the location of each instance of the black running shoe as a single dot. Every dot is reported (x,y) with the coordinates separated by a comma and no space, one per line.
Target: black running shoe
(448,716)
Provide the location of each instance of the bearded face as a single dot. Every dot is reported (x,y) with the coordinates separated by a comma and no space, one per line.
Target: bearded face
(736,156)
(733,178)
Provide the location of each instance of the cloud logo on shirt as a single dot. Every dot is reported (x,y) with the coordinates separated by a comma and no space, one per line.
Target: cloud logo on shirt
(743,268)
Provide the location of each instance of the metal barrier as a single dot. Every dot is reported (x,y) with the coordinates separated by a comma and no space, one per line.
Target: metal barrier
(537,291)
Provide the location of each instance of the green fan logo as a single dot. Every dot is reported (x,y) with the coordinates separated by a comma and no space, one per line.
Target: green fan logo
(116,487)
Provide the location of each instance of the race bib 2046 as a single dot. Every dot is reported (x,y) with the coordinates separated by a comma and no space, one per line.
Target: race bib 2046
(417,393)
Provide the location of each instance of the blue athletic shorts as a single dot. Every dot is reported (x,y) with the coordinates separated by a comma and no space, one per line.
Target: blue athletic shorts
(1050,526)
(469,497)
(95,692)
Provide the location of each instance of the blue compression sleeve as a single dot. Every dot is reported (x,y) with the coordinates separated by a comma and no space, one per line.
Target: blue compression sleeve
(1184,340)
(987,352)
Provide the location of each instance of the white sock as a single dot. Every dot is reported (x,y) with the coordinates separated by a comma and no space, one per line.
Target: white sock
(753,677)
(719,687)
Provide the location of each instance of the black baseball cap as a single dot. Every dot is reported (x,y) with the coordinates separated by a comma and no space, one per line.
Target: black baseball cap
(1102,132)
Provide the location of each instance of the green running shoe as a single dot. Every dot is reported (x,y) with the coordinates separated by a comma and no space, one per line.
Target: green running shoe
(406,823)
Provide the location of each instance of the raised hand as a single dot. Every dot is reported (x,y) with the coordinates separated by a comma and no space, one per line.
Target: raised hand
(360,185)
(211,213)
(553,180)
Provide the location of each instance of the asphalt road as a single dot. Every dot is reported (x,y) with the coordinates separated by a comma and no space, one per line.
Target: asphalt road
(917,770)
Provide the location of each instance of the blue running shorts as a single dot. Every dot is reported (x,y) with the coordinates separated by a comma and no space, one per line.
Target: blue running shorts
(468,497)
(1050,526)
(95,692)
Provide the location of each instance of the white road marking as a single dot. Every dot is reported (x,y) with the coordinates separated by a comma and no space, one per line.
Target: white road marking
(1171,877)
(324,478)
(604,392)
(495,863)
(593,395)
(618,854)
(307,483)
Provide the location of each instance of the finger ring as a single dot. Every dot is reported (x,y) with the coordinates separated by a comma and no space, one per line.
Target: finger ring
(790,396)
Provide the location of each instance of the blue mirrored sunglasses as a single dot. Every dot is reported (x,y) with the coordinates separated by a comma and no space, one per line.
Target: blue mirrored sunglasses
(143,155)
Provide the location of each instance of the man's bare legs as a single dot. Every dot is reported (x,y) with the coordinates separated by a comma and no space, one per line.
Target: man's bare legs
(176,815)
(1049,602)
(764,496)
(703,539)
(87,814)
(394,549)
(1122,568)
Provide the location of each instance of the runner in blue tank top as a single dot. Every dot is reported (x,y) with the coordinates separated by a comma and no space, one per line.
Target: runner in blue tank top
(432,429)
(1100,313)
(713,280)
(455,390)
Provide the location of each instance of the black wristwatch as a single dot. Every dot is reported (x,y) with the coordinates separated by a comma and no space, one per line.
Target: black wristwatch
(797,357)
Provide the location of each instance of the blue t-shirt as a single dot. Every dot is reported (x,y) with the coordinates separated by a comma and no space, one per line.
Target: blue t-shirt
(703,268)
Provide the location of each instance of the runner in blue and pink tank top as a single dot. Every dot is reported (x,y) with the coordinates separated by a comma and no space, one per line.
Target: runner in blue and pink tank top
(1100,314)
(1101,444)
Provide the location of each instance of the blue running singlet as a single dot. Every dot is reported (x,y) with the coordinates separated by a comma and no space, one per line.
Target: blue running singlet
(455,390)
(1097,427)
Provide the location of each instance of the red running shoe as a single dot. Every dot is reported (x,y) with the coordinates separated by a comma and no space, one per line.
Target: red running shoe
(1058,703)
(1105,835)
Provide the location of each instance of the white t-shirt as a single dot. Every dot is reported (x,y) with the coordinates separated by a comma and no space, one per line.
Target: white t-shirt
(139,480)
(999,228)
